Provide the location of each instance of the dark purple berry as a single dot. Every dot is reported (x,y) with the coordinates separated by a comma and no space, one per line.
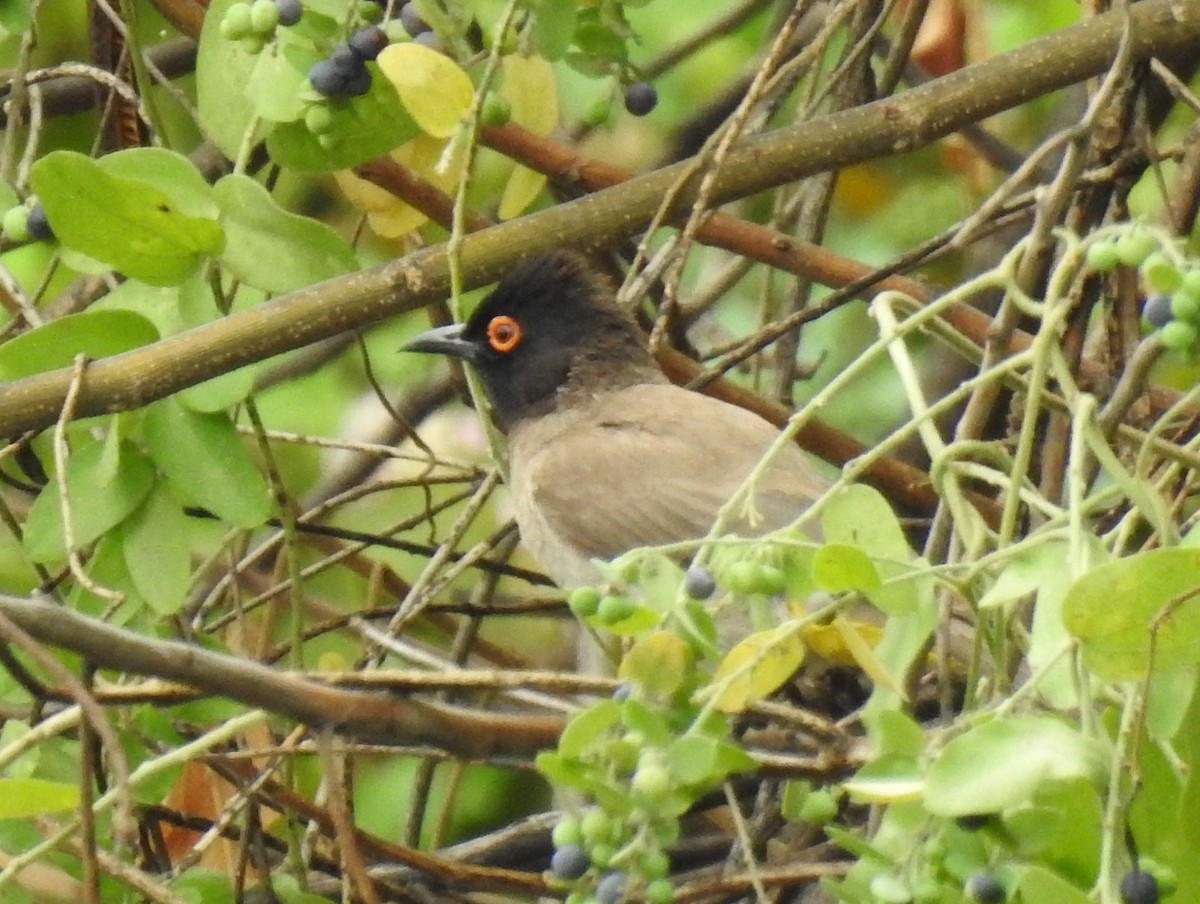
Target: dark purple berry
(1139,887)
(289,11)
(358,83)
(38,225)
(570,862)
(610,888)
(345,60)
(327,79)
(984,888)
(1157,310)
(699,583)
(368,42)
(412,21)
(431,40)
(640,98)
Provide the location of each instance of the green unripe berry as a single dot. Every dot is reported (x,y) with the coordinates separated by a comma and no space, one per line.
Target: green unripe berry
(16,223)
(595,827)
(1179,336)
(771,580)
(1185,306)
(613,609)
(1191,281)
(1161,274)
(584,601)
(1135,246)
(264,17)
(652,781)
(1102,256)
(602,855)
(654,865)
(237,22)
(598,111)
(660,891)
(741,576)
(568,830)
(818,808)
(496,110)
(318,119)
(369,12)
(666,833)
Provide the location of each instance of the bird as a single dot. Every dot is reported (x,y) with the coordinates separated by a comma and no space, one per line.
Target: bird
(605,453)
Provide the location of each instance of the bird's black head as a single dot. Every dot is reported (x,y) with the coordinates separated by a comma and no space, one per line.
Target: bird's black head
(551,327)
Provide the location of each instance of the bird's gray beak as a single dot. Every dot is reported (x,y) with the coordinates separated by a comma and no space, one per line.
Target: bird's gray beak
(443,340)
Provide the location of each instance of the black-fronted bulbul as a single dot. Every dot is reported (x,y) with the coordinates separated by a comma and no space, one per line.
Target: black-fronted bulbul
(605,453)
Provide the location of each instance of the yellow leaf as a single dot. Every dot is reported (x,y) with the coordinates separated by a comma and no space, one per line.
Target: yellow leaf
(529,87)
(658,663)
(848,642)
(520,191)
(757,666)
(433,88)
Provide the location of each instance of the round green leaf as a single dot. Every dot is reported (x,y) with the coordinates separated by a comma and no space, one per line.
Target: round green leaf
(96,334)
(126,223)
(206,461)
(223,69)
(155,545)
(859,515)
(272,249)
(1118,610)
(837,567)
(1003,762)
(106,482)
(169,172)
(24,797)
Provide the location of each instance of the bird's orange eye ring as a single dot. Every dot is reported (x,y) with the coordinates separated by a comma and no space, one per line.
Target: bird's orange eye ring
(503,333)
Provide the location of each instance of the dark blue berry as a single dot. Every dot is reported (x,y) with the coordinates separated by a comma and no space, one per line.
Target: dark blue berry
(984,888)
(289,11)
(368,42)
(640,98)
(1157,310)
(358,83)
(699,583)
(610,888)
(345,60)
(412,21)
(429,39)
(327,79)
(38,225)
(570,862)
(1139,887)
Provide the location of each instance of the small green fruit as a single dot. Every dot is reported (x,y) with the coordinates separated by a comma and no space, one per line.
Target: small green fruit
(584,601)
(1135,246)
(264,17)
(237,22)
(1161,274)
(16,223)
(613,609)
(496,110)
(660,891)
(1179,336)
(1185,305)
(1102,256)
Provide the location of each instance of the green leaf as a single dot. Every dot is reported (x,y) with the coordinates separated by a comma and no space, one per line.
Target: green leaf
(278,83)
(171,173)
(588,727)
(1003,762)
(659,663)
(126,223)
(100,499)
(1040,884)
(96,334)
(1118,610)
(703,761)
(553,26)
(837,567)
(366,127)
(272,249)
(223,70)
(155,544)
(21,798)
(206,461)
(859,515)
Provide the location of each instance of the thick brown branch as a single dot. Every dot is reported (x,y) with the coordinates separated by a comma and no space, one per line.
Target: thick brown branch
(883,128)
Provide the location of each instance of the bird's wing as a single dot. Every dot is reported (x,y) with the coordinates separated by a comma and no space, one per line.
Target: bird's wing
(649,465)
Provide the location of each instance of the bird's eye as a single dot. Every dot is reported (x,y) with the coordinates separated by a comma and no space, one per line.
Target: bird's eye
(503,333)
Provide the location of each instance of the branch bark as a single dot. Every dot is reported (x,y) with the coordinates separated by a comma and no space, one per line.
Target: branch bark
(891,126)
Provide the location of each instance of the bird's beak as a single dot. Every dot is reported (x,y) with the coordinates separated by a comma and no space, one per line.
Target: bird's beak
(443,340)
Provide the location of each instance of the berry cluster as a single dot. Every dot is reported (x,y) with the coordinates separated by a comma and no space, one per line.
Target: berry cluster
(344,73)
(254,23)
(595,853)
(1172,305)
(27,223)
